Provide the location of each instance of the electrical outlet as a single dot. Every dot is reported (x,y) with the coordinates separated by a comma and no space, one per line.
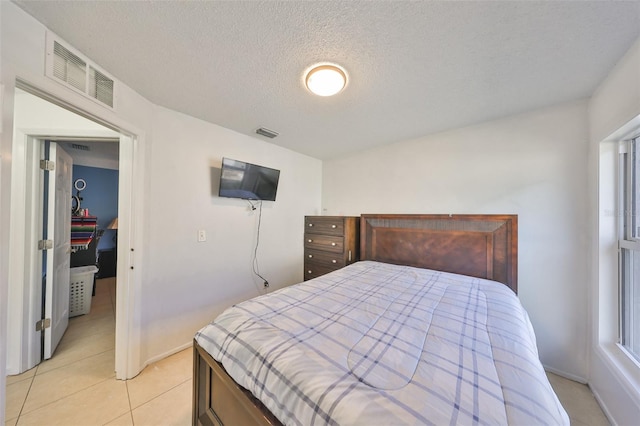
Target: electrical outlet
(266,284)
(202,236)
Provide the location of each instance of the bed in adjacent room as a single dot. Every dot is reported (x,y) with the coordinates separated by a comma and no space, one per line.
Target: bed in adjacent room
(425,329)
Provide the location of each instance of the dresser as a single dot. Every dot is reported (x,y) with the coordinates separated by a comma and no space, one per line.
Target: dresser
(330,243)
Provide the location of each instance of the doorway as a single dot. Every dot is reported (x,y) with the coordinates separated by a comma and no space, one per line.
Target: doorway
(93,242)
(25,288)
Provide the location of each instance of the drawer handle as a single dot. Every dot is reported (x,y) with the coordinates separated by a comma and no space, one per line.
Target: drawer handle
(310,256)
(309,241)
(311,224)
(309,271)
(334,226)
(333,244)
(334,261)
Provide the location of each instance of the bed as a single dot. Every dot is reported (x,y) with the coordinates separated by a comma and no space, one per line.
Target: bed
(425,329)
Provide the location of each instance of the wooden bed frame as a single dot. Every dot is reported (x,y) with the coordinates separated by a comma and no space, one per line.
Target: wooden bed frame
(484,246)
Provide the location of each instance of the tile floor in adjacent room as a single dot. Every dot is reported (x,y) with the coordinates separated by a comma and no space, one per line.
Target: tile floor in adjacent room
(77,387)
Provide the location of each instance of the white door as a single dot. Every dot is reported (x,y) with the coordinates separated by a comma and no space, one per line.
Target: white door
(58,260)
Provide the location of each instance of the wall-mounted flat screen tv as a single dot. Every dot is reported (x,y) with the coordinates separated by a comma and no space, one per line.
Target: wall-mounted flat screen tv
(248,181)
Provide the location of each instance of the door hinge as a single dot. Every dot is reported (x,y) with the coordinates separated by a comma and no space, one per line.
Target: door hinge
(48,165)
(43,323)
(45,244)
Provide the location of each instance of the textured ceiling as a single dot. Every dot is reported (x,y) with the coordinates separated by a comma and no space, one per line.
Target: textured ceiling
(415,68)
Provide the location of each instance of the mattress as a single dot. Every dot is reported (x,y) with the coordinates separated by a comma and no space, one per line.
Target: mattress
(374,343)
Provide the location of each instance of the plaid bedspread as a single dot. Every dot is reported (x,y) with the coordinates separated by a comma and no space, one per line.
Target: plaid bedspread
(380,344)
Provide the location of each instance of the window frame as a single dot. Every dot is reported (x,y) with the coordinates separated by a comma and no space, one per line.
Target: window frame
(628,243)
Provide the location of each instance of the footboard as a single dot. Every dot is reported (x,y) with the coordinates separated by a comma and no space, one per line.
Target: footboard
(218,400)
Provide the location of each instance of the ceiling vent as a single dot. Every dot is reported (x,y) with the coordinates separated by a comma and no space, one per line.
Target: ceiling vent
(78,73)
(267,133)
(80,147)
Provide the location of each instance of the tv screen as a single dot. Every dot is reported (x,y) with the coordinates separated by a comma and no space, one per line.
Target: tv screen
(247,181)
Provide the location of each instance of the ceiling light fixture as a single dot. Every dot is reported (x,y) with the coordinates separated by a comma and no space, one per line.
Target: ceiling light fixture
(326,80)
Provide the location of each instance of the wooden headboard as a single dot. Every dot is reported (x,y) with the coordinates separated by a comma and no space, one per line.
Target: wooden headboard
(484,246)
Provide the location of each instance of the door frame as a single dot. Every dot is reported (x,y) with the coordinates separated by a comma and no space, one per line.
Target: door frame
(21,297)
(25,288)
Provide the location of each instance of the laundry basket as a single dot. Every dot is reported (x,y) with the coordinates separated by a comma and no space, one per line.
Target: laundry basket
(80,290)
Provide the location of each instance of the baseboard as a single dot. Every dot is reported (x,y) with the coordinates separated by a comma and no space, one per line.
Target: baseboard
(569,376)
(168,353)
(603,407)
(616,392)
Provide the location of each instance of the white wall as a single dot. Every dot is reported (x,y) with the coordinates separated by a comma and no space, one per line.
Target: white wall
(189,282)
(533,165)
(614,115)
(34,114)
(178,284)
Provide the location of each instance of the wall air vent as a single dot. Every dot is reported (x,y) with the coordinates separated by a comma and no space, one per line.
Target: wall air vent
(100,86)
(70,68)
(267,133)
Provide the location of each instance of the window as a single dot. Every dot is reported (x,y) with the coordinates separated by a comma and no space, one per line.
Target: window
(629,295)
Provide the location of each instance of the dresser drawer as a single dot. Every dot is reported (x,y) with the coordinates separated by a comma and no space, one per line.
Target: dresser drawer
(324,225)
(330,243)
(313,269)
(324,258)
(324,242)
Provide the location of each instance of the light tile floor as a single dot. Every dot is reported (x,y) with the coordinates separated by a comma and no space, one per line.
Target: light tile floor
(78,387)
